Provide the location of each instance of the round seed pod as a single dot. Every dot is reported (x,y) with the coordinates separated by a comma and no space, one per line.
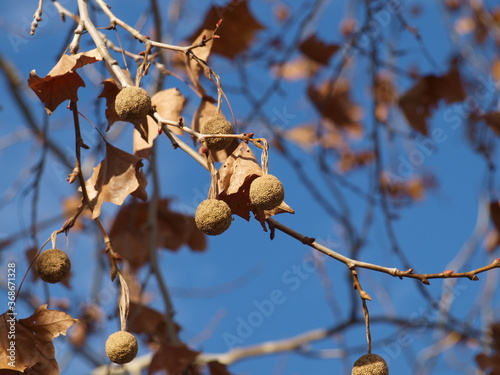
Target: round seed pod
(121,347)
(213,217)
(266,192)
(132,103)
(217,125)
(53,266)
(370,364)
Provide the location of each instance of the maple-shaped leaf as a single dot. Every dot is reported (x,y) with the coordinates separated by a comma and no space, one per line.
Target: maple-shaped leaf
(317,50)
(116,177)
(419,101)
(34,350)
(129,232)
(238,29)
(205,111)
(217,368)
(109,91)
(333,101)
(62,82)
(169,104)
(174,359)
(233,184)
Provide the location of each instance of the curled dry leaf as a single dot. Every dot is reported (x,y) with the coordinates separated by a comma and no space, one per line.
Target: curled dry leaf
(205,111)
(116,177)
(124,303)
(233,184)
(129,232)
(333,102)
(419,101)
(238,29)
(169,104)
(62,82)
(317,50)
(174,359)
(34,349)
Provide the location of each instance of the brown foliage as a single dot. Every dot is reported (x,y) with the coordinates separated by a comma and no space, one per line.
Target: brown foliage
(238,29)
(34,348)
(115,178)
(419,101)
(130,235)
(62,82)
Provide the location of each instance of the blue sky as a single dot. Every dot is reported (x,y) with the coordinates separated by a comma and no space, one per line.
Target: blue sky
(431,231)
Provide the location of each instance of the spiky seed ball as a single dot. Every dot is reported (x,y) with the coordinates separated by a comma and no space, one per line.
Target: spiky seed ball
(370,364)
(53,265)
(121,347)
(213,217)
(217,125)
(266,192)
(132,103)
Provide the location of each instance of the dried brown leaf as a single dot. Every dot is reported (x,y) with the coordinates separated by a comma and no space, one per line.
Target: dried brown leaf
(495,70)
(317,50)
(34,349)
(124,303)
(333,102)
(169,105)
(305,136)
(109,91)
(174,359)
(129,232)
(350,160)
(62,82)
(233,184)
(116,177)
(419,101)
(217,368)
(296,69)
(234,178)
(238,29)
(492,119)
